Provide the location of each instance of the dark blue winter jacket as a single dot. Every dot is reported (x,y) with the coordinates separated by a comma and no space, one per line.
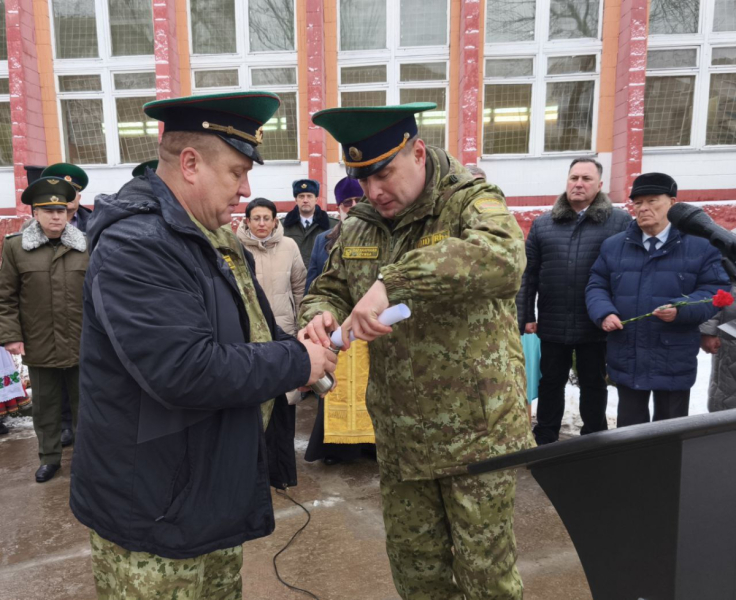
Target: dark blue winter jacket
(170,456)
(317,260)
(650,354)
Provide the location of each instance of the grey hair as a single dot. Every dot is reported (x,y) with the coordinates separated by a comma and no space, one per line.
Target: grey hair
(598,165)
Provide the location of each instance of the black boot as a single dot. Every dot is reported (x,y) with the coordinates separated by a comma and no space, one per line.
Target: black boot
(67,438)
(3,428)
(46,472)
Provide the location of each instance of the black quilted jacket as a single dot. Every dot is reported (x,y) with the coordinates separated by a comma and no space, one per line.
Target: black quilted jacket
(560,252)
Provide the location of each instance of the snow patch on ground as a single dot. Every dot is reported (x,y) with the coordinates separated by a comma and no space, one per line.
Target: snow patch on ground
(328,502)
(572,423)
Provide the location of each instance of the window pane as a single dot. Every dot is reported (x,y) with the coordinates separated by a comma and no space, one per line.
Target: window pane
(570,19)
(506,119)
(137,133)
(511,67)
(362,24)
(135,81)
(213,26)
(79,83)
(423,23)
(6,135)
(374,98)
(4,85)
(672,59)
(723,56)
(570,64)
(265,77)
(271,25)
(3,33)
(673,16)
(721,110)
(131,27)
(510,20)
(431,123)
(209,79)
(725,16)
(568,116)
(424,72)
(84,137)
(280,133)
(668,111)
(357,75)
(75,28)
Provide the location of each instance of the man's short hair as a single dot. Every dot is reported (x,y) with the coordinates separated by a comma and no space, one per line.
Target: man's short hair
(598,165)
(476,171)
(173,142)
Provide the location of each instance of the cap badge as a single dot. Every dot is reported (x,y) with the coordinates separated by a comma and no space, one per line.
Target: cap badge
(355,154)
(53,181)
(67,178)
(54,199)
(304,186)
(259,135)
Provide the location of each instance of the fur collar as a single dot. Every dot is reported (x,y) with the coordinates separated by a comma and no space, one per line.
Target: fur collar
(34,237)
(598,211)
(320,218)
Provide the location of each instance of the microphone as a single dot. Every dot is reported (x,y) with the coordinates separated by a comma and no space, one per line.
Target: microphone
(694,221)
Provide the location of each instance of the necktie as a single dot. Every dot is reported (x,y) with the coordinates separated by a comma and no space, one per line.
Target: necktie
(653,241)
(307,223)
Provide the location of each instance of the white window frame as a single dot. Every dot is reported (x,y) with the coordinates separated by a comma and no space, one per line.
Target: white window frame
(5,98)
(705,41)
(392,57)
(105,66)
(541,49)
(243,60)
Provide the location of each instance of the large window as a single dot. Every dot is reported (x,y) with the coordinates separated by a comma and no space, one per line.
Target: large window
(6,123)
(690,97)
(541,76)
(105,73)
(396,52)
(250,45)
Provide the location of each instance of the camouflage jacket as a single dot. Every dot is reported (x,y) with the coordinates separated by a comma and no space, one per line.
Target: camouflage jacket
(446,388)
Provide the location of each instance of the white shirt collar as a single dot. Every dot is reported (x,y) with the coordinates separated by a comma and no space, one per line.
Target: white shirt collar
(661,236)
(305,219)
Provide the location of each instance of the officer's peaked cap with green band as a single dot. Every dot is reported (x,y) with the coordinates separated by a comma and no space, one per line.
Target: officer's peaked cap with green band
(237,118)
(371,136)
(68,172)
(141,168)
(49,192)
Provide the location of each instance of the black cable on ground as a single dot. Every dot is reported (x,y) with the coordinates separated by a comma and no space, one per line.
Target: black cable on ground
(285,493)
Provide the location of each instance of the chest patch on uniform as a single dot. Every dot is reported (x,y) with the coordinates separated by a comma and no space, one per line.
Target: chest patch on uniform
(490,204)
(360,252)
(229,261)
(433,238)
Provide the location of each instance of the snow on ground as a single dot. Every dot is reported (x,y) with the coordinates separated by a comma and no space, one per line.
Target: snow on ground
(571,422)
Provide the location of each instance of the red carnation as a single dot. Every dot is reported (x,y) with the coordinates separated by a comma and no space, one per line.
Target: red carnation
(722,299)
(6,381)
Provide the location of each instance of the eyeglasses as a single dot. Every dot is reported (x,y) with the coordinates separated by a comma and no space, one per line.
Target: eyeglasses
(349,202)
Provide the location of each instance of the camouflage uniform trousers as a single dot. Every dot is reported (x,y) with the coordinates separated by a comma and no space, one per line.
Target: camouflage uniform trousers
(123,575)
(452,538)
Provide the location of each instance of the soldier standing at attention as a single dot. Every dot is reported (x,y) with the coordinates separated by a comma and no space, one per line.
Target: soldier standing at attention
(446,388)
(41,280)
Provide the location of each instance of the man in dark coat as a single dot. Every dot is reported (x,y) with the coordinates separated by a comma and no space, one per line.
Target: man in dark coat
(561,248)
(177,332)
(646,269)
(306,220)
(78,216)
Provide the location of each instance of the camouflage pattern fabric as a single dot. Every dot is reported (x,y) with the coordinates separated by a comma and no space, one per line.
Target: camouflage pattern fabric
(426,520)
(123,575)
(228,245)
(447,387)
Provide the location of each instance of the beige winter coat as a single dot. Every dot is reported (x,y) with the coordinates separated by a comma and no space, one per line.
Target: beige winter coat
(281,273)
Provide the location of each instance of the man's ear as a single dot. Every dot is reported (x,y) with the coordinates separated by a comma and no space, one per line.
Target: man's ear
(420,151)
(189,162)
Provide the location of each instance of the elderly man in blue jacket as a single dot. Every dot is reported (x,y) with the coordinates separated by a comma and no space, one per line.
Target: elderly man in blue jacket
(648,268)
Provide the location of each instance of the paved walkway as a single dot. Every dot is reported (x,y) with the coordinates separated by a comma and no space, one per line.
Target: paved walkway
(44,551)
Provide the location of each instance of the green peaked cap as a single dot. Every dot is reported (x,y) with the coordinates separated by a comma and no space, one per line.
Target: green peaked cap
(371,136)
(237,118)
(141,168)
(68,172)
(49,192)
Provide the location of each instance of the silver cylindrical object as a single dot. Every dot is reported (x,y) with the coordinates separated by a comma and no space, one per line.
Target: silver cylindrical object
(325,383)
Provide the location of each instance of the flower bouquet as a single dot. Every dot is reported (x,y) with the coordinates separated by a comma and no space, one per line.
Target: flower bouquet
(720,300)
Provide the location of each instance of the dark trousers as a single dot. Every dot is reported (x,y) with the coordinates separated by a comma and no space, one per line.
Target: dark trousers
(555,367)
(47,385)
(633,405)
(66,410)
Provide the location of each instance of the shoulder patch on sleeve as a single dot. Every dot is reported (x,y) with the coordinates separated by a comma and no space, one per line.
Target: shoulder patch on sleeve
(490,203)
(12,235)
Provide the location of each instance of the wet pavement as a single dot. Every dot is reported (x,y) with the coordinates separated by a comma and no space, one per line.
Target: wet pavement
(44,551)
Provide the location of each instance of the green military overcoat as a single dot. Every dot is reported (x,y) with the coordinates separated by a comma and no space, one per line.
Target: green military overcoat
(447,387)
(41,295)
